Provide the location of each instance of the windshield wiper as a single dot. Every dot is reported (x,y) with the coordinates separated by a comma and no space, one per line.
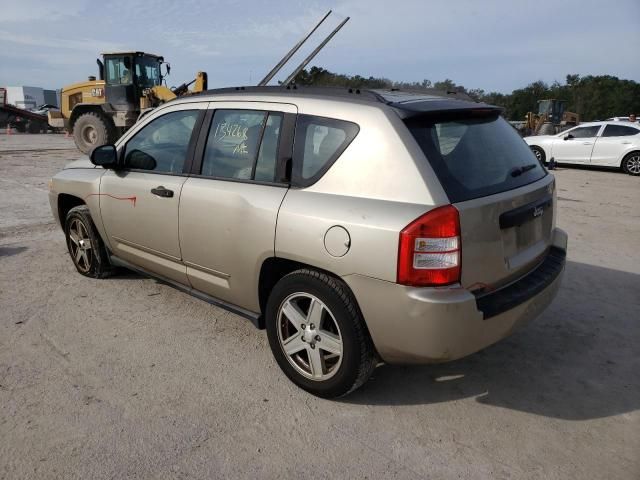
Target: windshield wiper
(516,172)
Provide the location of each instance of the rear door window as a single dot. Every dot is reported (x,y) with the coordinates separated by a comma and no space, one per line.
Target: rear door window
(243,145)
(232,144)
(619,131)
(319,141)
(475,157)
(265,170)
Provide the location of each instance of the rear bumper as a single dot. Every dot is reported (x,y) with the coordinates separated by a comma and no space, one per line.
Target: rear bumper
(431,325)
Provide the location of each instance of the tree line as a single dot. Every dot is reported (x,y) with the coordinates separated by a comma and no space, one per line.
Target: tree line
(593,97)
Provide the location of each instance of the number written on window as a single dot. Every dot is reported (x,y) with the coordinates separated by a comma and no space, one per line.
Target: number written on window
(242,144)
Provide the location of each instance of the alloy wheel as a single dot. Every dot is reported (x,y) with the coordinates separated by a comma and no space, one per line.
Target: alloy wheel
(80,245)
(538,155)
(309,336)
(633,165)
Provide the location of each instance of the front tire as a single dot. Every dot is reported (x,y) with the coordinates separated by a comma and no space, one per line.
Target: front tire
(539,153)
(631,164)
(317,334)
(85,245)
(547,129)
(92,130)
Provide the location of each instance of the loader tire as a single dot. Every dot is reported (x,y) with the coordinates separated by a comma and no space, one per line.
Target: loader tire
(547,129)
(92,130)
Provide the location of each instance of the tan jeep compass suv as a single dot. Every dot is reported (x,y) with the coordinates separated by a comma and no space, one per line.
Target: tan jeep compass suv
(355,226)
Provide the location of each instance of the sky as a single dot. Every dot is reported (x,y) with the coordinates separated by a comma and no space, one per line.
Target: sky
(494,45)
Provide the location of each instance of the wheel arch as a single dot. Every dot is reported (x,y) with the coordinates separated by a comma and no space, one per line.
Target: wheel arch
(541,146)
(626,154)
(65,203)
(274,268)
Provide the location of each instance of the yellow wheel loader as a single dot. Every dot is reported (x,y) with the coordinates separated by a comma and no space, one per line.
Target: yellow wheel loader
(551,118)
(101,109)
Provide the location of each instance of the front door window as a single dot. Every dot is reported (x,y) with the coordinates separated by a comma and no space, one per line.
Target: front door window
(162,145)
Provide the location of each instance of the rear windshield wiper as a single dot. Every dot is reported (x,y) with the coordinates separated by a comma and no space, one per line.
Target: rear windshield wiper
(516,172)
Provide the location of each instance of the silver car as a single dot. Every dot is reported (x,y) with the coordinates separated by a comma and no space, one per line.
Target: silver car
(357,227)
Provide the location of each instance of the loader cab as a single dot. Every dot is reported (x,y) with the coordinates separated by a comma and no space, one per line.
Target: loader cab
(553,108)
(127,75)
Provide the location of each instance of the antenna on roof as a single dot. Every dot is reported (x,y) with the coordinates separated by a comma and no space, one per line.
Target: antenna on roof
(306,61)
(288,56)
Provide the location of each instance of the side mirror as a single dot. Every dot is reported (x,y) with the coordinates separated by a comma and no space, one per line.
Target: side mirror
(568,136)
(105,156)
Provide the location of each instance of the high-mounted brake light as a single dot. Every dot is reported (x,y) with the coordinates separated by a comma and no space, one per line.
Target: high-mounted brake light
(430,249)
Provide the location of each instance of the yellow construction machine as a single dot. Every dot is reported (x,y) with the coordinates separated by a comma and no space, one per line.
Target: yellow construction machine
(129,84)
(550,119)
(101,109)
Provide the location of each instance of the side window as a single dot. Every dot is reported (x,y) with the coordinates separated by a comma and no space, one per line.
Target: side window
(118,71)
(319,141)
(162,145)
(619,131)
(268,154)
(585,132)
(242,144)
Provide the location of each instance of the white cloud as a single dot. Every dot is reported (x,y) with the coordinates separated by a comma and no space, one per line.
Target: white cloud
(32,10)
(81,44)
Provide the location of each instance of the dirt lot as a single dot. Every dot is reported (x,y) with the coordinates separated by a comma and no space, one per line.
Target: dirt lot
(127,377)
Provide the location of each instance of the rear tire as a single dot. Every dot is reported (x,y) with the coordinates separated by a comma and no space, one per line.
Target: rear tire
(35,127)
(85,246)
(539,153)
(316,319)
(91,130)
(631,164)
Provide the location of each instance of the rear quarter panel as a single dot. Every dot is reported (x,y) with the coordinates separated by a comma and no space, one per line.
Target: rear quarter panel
(373,226)
(378,185)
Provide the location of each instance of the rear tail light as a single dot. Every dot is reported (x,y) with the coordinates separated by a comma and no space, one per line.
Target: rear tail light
(430,249)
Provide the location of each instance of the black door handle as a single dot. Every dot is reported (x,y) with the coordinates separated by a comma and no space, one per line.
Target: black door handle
(162,192)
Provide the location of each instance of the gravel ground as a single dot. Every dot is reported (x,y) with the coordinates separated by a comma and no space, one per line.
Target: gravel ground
(129,378)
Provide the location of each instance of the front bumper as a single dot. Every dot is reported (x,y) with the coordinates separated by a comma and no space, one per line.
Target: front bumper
(432,325)
(53,203)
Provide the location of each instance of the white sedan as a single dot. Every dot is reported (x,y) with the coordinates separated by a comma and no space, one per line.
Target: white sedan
(607,144)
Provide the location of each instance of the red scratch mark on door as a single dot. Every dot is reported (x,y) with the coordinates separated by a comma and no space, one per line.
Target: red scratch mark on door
(132,199)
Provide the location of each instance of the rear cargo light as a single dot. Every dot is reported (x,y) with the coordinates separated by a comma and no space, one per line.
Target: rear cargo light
(430,249)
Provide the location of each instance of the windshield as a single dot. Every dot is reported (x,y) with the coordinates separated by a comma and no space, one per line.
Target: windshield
(475,157)
(147,72)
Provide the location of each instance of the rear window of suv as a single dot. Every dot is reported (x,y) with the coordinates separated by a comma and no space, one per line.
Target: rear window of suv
(475,157)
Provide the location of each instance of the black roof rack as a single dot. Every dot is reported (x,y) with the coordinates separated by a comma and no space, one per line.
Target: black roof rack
(293,89)
(409,102)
